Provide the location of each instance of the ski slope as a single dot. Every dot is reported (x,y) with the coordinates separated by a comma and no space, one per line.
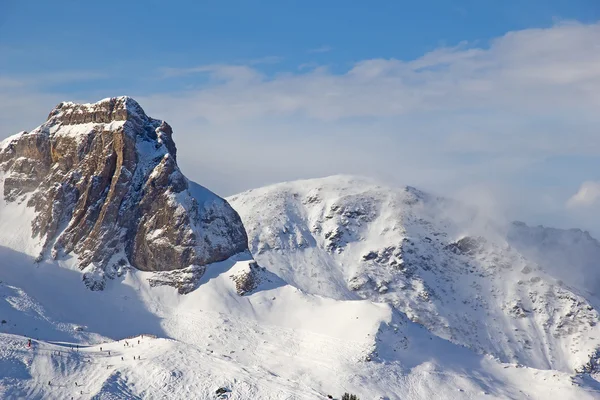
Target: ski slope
(274,343)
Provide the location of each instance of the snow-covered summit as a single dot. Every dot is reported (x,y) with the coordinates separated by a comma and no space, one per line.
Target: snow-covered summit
(437,261)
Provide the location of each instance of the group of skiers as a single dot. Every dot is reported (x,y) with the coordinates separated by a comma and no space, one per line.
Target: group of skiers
(77,348)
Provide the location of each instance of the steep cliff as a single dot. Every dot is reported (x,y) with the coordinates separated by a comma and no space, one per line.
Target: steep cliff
(105,186)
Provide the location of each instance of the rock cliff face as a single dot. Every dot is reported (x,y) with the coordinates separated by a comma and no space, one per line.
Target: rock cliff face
(104,183)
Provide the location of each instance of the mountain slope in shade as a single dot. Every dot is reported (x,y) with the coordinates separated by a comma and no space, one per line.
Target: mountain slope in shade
(104,186)
(432,259)
(572,255)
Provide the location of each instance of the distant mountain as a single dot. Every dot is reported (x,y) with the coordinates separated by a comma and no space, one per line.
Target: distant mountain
(571,255)
(102,183)
(440,263)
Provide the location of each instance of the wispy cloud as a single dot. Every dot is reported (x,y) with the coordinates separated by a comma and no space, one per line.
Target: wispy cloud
(231,70)
(588,195)
(265,60)
(322,49)
(220,72)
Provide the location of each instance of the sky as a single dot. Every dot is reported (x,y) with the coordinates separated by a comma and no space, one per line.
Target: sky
(493,102)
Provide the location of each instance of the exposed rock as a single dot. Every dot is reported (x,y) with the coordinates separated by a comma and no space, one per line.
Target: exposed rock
(104,182)
(517,310)
(592,366)
(184,280)
(467,245)
(249,278)
(334,240)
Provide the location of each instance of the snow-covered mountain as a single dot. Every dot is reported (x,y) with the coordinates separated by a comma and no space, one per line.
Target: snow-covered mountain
(350,286)
(440,263)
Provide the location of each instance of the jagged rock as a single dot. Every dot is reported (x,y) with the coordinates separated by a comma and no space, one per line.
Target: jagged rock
(467,245)
(248,279)
(593,364)
(184,280)
(334,239)
(517,310)
(104,183)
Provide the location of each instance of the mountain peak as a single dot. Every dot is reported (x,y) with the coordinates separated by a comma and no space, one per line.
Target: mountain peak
(111,109)
(103,182)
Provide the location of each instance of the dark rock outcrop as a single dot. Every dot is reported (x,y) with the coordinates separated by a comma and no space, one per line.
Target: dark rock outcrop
(249,279)
(467,245)
(104,182)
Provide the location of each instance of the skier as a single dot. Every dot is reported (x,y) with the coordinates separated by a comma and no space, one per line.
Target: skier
(100,348)
(28,342)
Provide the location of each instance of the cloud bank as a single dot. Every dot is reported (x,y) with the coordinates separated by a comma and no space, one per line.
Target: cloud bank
(508,121)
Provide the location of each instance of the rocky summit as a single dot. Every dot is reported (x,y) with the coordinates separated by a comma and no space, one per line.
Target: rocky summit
(104,185)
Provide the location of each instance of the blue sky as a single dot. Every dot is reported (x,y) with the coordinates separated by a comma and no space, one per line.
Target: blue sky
(128,40)
(494,102)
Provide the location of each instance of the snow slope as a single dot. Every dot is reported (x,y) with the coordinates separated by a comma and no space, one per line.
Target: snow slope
(274,343)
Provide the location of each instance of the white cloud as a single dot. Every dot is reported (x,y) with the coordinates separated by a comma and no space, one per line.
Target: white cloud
(488,120)
(587,195)
(535,71)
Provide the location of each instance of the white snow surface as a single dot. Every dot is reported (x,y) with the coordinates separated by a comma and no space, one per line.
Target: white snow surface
(300,334)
